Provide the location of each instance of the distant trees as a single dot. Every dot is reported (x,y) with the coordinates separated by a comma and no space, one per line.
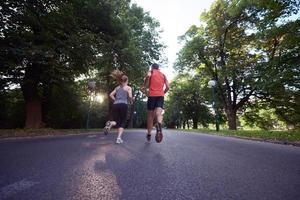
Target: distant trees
(186,103)
(251,48)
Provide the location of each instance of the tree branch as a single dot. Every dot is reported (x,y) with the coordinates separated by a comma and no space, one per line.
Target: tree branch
(244,100)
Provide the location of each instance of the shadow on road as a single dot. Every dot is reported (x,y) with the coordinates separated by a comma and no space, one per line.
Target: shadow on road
(139,172)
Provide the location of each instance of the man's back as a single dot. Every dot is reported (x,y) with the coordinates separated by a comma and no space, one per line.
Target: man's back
(156,83)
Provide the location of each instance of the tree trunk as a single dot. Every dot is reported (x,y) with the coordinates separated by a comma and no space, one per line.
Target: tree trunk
(34,114)
(46,101)
(32,99)
(195,124)
(231,116)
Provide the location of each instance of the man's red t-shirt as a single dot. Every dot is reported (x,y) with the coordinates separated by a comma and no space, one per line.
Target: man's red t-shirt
(156,84)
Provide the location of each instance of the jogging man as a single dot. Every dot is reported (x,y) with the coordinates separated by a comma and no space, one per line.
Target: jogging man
(158,86)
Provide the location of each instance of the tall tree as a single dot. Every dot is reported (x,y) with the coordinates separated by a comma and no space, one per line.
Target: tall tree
(41,41)
(230,44)
(47,42)
(133,50)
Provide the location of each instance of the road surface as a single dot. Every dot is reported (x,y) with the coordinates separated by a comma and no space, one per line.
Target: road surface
(183,166)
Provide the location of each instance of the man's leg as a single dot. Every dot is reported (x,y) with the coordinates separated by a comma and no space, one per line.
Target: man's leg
(159,119)
(150,117)
(159,115)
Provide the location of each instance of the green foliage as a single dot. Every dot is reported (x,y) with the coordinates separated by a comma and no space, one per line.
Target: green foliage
(65,108)
(133,50)
(12,109)
(250,48)
(185,102)
(46,45)
(262,116)
(140,116)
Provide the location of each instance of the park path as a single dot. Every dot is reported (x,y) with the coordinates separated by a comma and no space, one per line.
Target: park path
(183,166)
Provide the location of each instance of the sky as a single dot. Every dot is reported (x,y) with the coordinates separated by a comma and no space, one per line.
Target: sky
(175,17)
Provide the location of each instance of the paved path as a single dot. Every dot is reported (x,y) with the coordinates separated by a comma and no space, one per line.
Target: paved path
(183,166)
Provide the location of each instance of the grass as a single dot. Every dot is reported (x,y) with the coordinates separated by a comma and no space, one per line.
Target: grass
(282,136)
(13,133)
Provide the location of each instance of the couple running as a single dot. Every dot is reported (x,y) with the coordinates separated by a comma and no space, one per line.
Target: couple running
(158,85)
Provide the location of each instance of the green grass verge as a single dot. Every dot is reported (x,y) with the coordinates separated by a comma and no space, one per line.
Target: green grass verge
(283,136)
(13,133)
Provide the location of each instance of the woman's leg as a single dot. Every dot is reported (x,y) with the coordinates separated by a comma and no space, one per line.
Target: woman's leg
(123,117)
(120,132)
(112,123)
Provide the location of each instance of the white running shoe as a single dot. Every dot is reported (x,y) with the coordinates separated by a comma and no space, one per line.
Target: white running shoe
(119,141)
(107,128)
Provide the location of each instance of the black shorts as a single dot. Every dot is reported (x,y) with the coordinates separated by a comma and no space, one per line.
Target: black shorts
(120,114)
(155,102)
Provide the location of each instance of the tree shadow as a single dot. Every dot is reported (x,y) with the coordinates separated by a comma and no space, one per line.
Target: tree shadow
(140,173)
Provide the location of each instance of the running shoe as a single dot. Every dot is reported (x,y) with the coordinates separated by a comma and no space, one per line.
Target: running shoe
(159,135)
(107,128)
(148,137)
(119,141)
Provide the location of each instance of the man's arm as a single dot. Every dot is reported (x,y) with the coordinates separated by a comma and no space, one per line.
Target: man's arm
(167,84)
(146,81)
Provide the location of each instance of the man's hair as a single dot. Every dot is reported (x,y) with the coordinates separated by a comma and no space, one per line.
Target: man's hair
(154,66)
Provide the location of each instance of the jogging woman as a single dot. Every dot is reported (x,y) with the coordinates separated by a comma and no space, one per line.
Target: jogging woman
(120,96)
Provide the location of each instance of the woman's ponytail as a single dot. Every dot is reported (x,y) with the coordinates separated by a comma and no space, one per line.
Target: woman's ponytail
(119,76)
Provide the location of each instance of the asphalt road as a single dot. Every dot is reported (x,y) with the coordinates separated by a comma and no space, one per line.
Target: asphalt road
(183,166)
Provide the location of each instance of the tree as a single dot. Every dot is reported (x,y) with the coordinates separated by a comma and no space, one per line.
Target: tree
(46,43)
(232,46)
(261,115)
(280,77)
(42,42)
(132,51)
(185,102)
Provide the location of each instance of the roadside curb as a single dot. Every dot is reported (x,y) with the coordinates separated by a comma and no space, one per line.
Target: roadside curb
(296,144)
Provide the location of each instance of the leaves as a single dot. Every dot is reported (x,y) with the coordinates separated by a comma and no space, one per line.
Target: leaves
(59,41)
(186,102)
(245,46)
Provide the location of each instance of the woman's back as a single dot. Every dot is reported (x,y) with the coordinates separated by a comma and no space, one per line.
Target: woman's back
(121,95)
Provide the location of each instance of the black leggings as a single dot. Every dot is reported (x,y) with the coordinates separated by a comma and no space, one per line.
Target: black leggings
(120,114)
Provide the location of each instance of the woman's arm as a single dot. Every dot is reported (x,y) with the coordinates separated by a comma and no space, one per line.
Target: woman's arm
(113,93)
(129,90)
